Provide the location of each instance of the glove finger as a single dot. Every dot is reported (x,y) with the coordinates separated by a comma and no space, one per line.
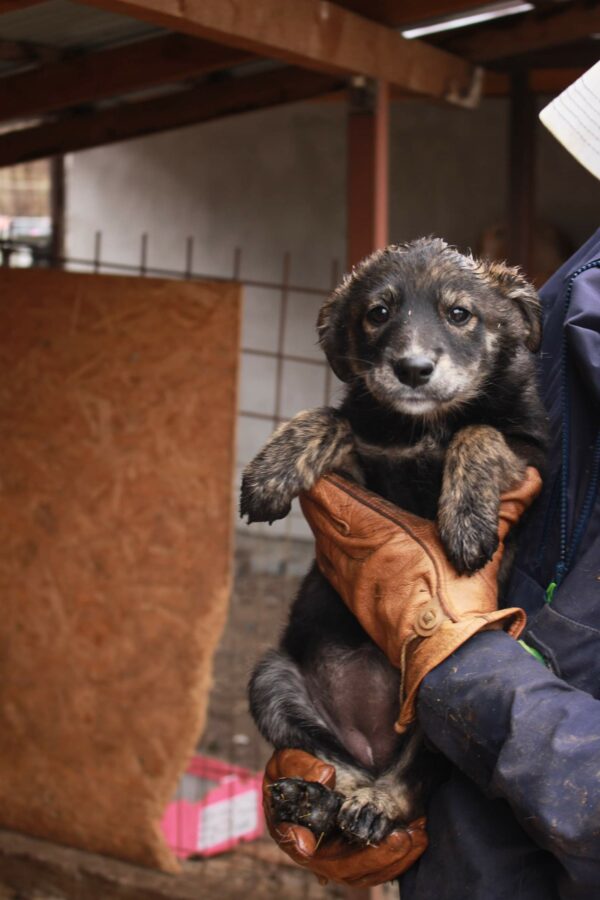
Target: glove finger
(298,764)
(367,866)
(397,867)
(298,842)
(513,503)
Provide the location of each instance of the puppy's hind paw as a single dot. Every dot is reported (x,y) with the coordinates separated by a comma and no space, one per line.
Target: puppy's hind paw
(367,817)
(305,803)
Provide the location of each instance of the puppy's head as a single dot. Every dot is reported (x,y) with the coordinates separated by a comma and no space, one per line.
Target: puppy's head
(421,326)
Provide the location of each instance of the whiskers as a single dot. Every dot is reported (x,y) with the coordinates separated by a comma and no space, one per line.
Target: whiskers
(368,363)
(376,387)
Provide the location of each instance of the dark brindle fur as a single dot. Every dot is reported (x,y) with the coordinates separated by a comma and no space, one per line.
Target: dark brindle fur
(441,414)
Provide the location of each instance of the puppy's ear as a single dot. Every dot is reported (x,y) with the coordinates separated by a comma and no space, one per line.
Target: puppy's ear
(513,285)
(332,328)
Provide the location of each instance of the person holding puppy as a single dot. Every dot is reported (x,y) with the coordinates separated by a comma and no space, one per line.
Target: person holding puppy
(519,814)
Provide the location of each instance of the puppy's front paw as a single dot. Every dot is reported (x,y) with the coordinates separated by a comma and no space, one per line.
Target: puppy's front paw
(305,803)
(297,454)
(367,817)
(263,499)
(469,542)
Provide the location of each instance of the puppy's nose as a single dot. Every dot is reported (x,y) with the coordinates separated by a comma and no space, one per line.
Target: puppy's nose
(414,370)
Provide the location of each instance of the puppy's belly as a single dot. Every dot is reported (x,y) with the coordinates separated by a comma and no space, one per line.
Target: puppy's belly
(357,692)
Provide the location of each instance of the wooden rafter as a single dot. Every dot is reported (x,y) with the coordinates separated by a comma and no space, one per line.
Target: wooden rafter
(409,12)
(553,81)
(12,5)
(315,34)
(174,110)
(533,31)
(541,81)
(27,52)
(108,73)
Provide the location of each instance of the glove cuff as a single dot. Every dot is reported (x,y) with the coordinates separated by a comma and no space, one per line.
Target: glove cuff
(429,652)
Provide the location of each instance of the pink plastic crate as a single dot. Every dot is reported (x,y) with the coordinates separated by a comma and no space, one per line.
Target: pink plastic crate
(217,806)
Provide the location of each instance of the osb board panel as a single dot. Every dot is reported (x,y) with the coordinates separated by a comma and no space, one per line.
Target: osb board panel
(117,416)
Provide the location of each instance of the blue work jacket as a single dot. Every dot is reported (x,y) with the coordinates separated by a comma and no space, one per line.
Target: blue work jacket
(519,816)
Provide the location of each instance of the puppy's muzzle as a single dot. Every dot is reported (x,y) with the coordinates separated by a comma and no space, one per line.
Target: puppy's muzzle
(414,370)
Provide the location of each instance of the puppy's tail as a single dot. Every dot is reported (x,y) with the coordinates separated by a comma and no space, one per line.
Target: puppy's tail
(284,712)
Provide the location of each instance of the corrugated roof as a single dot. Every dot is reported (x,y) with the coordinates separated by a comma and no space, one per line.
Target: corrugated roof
(68,26)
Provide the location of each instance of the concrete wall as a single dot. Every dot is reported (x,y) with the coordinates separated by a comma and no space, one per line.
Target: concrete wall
(274,181)
(267,182)
(449,175)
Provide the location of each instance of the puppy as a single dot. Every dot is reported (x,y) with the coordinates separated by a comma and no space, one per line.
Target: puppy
(441,414)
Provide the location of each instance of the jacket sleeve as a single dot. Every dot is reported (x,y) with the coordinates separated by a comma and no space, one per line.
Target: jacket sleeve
(522,734)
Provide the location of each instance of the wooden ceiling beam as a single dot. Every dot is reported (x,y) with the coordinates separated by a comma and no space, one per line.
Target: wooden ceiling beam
(27,52)
(12,5)
(94,76)
(174,110)
(553,81)
(315,34)
(409,12)
(533,31)
(541,81)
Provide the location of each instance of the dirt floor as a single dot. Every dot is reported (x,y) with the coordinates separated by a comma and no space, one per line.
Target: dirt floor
(267,575)
(38,870)
(228,876)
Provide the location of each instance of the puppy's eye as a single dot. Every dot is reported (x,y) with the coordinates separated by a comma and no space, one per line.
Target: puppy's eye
(458,315)
(379,314)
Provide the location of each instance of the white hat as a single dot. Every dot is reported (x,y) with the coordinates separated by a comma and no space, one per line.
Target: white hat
(574,119)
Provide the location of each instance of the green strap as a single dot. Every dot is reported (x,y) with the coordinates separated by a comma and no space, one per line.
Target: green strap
(535,653)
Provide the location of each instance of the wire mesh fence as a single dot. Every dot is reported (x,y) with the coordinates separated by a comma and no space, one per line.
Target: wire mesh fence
(282,370)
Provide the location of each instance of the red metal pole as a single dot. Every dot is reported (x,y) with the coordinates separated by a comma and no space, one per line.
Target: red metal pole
(521,176)
(382,165)
(368,171)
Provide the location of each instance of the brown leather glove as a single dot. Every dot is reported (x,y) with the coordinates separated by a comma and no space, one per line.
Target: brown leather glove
(336,859)
(391,570)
